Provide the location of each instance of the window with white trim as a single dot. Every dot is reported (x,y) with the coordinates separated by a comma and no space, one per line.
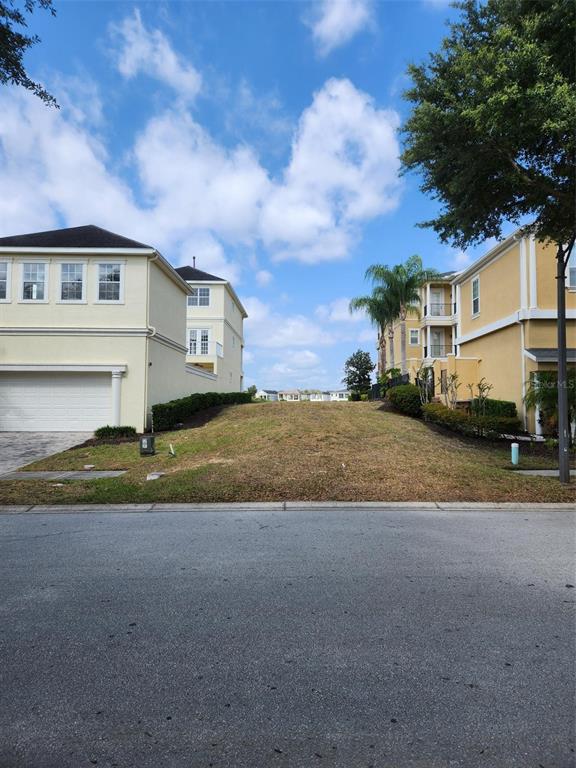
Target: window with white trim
(34,281)
(572,270)
(109,282)
(475,295)
(414,337)
(198,341)
(72,282)
(4,280)
(200,297)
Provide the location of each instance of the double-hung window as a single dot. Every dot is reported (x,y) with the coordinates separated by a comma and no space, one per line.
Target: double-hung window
(34,279)
(110,282)
(414,336)
(72,282)
(200,297)
(198,341)
(476,296)
(572,269)
(4,281)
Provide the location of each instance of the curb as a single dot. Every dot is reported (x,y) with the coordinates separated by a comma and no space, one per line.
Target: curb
(280,506)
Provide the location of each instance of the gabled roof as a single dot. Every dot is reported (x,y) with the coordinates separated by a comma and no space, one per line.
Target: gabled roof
(89,236)
(197,275)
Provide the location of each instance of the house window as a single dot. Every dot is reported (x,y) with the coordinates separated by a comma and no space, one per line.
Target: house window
(414,336)
(33,282)
(572,270)
(475,295)
(109,282)
(198,341)
(71,282)
(4,280)
(200,297)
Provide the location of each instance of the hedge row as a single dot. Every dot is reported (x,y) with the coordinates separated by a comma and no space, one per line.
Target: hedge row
(108,432)
(466,424)
(167,415)
(406,399)
(494,407)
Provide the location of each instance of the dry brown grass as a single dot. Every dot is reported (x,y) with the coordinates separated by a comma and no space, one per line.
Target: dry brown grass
(297,451)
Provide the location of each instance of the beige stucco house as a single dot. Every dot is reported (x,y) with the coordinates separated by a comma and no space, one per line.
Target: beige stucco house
(214,329)
(92,331)
(494,320)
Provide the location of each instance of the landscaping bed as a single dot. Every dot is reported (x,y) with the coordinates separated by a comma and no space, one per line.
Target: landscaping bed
(297,451)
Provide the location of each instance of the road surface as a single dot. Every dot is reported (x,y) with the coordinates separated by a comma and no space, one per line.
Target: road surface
(335,637)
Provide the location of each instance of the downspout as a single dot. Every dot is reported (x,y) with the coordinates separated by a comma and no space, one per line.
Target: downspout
(148,337)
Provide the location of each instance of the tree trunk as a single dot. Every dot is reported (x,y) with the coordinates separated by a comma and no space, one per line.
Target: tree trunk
(391,344)
(403,346)
(563,425)
(403,314)
(383,349)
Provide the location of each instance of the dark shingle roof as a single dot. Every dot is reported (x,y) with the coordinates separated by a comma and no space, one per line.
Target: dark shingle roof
(196,275)
(89,236)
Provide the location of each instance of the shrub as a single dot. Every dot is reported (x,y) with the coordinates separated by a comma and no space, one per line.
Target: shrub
(354,396)
(167,415)
(466,424)
(108,432)
(364,397)
(494,407)
(406,399)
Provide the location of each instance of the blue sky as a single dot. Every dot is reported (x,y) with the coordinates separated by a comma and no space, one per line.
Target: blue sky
(261,137)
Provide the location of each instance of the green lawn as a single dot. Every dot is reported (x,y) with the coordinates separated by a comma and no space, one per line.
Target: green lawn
(296,451)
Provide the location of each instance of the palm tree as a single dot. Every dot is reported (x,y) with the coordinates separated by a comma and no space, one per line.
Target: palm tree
(401,284)
(381,314)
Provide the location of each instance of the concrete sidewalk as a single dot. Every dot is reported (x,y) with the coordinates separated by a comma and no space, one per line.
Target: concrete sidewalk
(447,506)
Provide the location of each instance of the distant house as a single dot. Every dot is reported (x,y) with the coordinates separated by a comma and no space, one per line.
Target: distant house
(318,397)
(267,394)
(339,394)
(289,395)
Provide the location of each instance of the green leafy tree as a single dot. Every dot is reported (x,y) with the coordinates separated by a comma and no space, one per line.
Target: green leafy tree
(401,285)
(358,372)
(492,134)
(380,311)
(14,42)
(252,390)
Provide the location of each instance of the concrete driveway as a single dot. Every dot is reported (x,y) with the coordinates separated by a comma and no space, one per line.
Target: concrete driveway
(20,448)
(344,637)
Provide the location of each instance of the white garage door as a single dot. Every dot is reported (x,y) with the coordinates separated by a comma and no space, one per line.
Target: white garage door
(54,402)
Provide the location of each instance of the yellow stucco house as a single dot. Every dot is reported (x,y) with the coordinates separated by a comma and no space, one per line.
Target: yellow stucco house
(92,332)
(494,320)
(214,328)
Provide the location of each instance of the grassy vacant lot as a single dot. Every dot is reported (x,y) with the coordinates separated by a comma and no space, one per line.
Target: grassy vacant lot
(296,451)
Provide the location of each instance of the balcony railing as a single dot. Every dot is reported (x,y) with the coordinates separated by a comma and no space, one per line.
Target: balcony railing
(438,350)
(435,309)
(205,349)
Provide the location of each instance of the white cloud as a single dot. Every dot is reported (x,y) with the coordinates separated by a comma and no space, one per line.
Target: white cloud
(343,171)
(336,22)
(269,329)
(459,259)
(263,277)
(196,196)
(149,52)
(338,311)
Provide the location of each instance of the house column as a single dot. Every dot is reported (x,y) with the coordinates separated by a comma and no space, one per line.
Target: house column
(116,397)
(428,341)
(428,298)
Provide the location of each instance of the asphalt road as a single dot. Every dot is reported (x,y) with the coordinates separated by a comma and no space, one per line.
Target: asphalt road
(269,639)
